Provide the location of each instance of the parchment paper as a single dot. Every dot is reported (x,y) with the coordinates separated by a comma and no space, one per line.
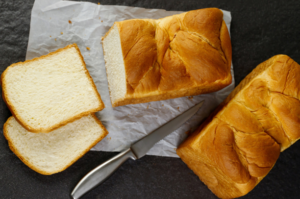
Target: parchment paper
(55,24)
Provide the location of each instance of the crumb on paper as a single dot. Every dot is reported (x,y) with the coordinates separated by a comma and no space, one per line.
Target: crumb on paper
(178,108)
(190,97)
(162,105)
(62,33)
(55,39)
(175,149)
(88,48)
(70,22)
(101,20)
(98,3)
(50,35)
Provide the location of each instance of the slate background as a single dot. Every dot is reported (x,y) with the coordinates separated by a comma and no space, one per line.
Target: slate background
(260,29)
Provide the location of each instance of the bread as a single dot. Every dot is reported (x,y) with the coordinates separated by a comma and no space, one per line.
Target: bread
(236,147)
(47,92)
(49,153)
(181,55)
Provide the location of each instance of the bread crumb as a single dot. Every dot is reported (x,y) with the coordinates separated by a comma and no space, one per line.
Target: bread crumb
(147,106)
(101,20)
(162,105)
(178,108)
(50,35)
(62,33)
(98,3)
(190,97)
(88,48)
(55,39)
(70,22)
(175,149)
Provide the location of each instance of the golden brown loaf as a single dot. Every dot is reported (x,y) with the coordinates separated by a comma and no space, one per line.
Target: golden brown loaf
(181,55)
(236,147)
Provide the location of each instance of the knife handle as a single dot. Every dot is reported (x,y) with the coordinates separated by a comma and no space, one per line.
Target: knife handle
(101,173)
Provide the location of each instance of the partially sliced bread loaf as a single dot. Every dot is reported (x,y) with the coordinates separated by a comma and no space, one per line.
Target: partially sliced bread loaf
(50,91)
(49,153)
(181,55)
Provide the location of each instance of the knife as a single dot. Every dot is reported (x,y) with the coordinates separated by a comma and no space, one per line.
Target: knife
(136,151)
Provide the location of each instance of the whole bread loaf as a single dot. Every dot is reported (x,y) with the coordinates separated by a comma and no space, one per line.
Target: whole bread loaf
(236,147)
(49,91)
(181,55)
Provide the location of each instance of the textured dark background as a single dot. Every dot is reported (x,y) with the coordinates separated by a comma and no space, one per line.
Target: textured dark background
(260,29)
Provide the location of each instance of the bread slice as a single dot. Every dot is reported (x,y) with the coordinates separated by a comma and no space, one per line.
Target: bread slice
(237,146)
(49,153)
(181,55)
(47,92)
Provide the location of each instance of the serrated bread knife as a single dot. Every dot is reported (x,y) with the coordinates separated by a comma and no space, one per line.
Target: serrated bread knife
(136,151)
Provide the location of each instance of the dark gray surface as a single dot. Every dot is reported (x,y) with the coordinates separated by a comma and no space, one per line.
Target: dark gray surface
(260,29)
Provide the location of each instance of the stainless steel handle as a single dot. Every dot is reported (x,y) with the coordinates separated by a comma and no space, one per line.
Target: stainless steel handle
(101,173)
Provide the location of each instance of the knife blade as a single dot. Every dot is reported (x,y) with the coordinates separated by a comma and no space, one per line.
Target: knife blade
(136,151)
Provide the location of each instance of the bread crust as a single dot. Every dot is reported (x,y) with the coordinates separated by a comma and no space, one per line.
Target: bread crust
(240,142)
(33,167)
(145,87)
(75,117)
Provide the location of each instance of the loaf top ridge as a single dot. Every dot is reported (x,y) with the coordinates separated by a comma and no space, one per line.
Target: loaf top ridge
(191,41)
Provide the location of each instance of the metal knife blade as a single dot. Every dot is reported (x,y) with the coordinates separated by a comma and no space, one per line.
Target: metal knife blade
(137,150)
(142,146)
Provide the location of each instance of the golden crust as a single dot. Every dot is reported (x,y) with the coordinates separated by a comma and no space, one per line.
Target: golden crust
(36,130)
(181,55)
(33,167)
(155,96)
(236,147)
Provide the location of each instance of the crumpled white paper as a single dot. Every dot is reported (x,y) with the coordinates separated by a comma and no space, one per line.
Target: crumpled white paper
(56,23)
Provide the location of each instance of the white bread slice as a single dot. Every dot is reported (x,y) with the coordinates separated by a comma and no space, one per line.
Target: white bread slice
(114,64)
(49,153)
(47,92)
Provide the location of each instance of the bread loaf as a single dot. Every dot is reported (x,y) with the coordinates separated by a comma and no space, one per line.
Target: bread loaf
(49,153)
(236,147)
(181,55)
(50,91)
